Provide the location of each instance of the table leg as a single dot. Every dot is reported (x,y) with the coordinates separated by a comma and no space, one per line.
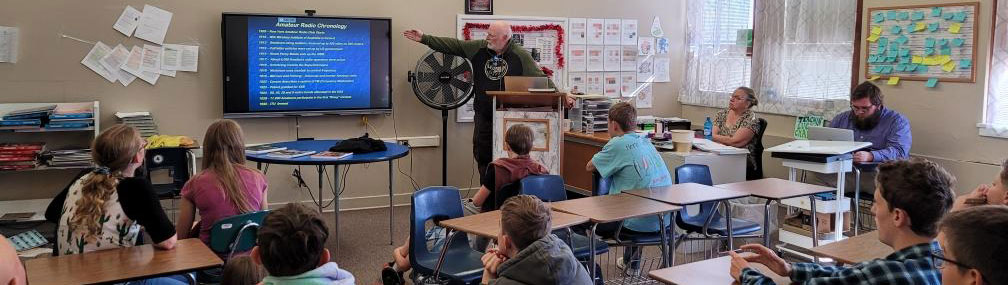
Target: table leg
(390,206)
(857,200)
(766,223)
(838,227)
(672,241)
(336,183)
(664,241)
(259,166)
(792,173)
(319,168)
(731,235)
(815,225)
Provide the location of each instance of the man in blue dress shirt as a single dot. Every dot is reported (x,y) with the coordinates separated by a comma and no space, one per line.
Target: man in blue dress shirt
(886,129)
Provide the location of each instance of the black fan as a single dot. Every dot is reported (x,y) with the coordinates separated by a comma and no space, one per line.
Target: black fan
(443,82)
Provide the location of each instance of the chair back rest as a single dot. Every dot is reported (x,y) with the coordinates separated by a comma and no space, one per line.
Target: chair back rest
(700,174)
(754,172)
(600,185)
(236,233)
(435,203)
(549,188)
(178,161)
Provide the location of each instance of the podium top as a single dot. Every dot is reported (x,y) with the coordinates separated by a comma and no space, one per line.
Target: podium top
(819,147)
(527,99)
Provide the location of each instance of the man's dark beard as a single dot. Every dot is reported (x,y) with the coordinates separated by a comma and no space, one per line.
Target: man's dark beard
(867,123)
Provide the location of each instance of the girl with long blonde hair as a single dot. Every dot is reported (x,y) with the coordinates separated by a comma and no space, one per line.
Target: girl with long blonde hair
(105,208)
(225,187)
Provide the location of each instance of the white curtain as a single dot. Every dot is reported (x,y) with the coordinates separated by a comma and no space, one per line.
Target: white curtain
(715,64)
(996,113)
(801,61)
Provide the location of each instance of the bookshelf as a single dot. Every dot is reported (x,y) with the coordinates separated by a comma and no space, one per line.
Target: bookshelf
(54,138)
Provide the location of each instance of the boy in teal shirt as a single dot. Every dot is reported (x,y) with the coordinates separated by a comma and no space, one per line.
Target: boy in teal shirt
(632,162)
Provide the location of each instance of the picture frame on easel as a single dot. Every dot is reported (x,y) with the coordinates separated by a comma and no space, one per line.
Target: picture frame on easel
(479,7)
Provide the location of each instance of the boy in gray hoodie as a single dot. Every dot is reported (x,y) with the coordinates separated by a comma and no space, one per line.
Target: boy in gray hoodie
(527,252)
(291,246)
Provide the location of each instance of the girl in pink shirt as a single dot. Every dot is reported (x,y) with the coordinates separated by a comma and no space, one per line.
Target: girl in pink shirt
(225,187)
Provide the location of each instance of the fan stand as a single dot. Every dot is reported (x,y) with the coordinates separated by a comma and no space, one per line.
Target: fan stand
(444,147)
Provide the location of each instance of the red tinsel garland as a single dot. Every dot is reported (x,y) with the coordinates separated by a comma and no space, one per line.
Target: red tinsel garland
(557,50)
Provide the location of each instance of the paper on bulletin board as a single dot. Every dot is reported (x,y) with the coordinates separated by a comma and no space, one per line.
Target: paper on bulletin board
(611,58)
(611,84)
(613,31)
(578,60)
(661,69)
(645,69)
(577,82)
(596,31)
(595,58)
(629,58)
(594,82)
(629,32)
(628,84)
(578,31)
(922,42)
(153,24)
(644,97)
(8,44)
(93,61)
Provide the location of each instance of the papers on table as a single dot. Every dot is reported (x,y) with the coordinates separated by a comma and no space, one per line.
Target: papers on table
(713,147)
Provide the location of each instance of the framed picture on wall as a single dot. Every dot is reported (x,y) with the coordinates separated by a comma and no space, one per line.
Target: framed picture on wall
(484,7)
(540,131)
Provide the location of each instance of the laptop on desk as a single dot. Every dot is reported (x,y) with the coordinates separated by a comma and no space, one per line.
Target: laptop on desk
(830,134)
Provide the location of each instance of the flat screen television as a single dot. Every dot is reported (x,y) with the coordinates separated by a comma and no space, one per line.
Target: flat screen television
(284,65)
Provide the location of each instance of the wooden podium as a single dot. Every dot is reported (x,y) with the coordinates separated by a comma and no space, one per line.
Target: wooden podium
(542,112)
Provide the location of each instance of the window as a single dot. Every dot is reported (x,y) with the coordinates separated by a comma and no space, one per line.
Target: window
(996,112)
(728,66)
(818,44)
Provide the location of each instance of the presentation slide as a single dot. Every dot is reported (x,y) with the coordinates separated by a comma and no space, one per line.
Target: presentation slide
(298,63)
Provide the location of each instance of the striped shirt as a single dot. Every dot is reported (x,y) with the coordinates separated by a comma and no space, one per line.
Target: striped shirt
(911,265)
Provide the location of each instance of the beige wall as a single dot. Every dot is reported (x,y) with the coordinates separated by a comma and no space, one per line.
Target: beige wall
(943,119)
(49,70)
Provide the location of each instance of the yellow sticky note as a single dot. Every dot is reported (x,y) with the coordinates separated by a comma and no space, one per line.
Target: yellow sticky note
(893,80)
(916,59)
(920,27)
(876,30)
(954,28)
(873,37)
(949,66)
(873,78)
(944,59)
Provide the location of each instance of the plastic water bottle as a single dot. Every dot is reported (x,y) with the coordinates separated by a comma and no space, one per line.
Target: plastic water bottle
(708,129)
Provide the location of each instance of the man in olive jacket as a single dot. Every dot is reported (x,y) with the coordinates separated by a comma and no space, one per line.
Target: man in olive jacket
(492,59)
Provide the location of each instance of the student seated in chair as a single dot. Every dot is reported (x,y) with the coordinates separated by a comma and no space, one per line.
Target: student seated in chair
(291,246)
(912,197)
(106,208)
(506,170)
(633,163)
(995,193)
(527,252)
(974,241)
(225,187)
(737,125)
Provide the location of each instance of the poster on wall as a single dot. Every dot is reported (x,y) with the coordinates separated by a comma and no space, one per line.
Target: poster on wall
(577,82)
(578,31)
(644,97)
(611,84)
(645,46)
(595,31)
(645,68)
(628,84)
(578,58)
(629,32)
(595,58)
(611,58)
(594,82)
(661,69)
(612,31)
(628,60)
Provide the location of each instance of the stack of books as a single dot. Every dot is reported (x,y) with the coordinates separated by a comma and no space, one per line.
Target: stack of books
(72,116)
(20,156)
(30,118)
(142,121)
(67,158)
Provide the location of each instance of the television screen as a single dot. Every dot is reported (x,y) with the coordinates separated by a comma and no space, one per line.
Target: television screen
(277,65)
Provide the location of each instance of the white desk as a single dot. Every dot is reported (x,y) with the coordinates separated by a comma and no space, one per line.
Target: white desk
(839,167)
(37,206)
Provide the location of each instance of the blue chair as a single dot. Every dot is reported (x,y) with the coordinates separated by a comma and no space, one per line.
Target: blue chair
(229,235)
(708,221)
(550,188)
(462,264)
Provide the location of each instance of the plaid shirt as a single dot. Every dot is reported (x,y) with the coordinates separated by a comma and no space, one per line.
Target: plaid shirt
(912,265)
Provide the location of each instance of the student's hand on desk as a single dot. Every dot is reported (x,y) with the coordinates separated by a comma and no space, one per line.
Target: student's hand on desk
(766,257)
(737,264)
(863,156)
